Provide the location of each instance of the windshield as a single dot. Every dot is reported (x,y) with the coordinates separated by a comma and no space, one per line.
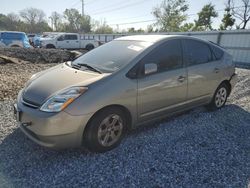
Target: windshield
(112,56)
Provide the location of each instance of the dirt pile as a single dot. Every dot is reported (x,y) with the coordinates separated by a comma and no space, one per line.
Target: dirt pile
(38,55)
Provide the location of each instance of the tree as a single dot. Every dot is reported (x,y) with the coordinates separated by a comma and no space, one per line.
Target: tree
(150,29)
(76,22)
(133,30)
(227,20)
(205,16)
(56,20)
(171,14)
(3,22)
(10,22)
(35,20)
(101,27)
(187,27)
(241,12)
(14,22)
(33,16)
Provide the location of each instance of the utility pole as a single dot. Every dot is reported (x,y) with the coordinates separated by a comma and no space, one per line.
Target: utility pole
(82,7)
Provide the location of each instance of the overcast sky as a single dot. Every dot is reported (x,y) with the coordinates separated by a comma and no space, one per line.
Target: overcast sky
(114,12)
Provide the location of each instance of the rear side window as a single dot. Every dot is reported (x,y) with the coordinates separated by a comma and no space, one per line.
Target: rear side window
(197,52)
(70,37)
(12,36)
(218,53)
(167,56)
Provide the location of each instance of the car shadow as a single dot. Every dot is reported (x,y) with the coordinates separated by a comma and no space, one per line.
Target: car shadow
(194,149)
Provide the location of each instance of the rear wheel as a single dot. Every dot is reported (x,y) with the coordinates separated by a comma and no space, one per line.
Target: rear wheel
(106,130)
(90,47)
(50,46)
(219,98)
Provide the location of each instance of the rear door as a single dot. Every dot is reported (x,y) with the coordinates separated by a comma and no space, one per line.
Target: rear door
(204,71)
(166,89)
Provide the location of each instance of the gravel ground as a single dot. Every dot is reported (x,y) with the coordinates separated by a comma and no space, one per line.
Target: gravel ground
(17,66)
(13,77)
(195,149)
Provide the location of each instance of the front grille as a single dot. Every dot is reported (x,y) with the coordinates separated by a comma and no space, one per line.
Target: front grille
(29,103)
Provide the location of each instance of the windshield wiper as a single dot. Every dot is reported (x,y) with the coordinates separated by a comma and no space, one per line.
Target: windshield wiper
(89,67)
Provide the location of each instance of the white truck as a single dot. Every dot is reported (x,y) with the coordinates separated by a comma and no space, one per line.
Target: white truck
(68,41)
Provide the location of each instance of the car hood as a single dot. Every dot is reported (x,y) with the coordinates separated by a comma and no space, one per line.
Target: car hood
(45,39)
(51,81)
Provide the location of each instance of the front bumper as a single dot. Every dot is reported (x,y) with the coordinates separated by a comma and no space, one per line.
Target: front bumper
(53,130)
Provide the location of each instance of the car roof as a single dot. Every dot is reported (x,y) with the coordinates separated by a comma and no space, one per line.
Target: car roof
(149,38)
(17,32)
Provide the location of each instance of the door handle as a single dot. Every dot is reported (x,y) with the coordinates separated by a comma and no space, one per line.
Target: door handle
(216,70)
(181,78)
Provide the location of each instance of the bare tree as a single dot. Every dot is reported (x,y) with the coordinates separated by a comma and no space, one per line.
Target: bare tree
(56,20)
(33,16)
(35,20)
(241,12)
(13,22)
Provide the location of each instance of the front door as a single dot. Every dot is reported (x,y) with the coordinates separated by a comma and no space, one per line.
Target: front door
(166,89)
(72,41)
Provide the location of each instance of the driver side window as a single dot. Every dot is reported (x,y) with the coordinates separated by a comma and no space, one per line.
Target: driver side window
(167,56)
(61,38)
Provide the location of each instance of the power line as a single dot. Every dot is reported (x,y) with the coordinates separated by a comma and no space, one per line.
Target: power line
(108,6)
(76,3)
(129,18)
(118,8)
(144,21)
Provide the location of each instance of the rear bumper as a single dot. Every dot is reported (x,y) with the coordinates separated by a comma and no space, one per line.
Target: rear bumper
(53,130)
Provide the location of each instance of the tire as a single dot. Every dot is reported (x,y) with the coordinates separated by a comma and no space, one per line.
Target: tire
(105,130)
(90,47)
(220,97)
(15,46)
(50,46)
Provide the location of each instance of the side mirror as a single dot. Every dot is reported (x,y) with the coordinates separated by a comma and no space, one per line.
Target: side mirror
(150,68)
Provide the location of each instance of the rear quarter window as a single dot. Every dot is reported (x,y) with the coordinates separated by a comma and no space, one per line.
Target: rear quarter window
(218,53)
(12,36)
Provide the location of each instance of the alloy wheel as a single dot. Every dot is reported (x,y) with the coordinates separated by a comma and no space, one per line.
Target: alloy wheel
(110,130)
(221,97)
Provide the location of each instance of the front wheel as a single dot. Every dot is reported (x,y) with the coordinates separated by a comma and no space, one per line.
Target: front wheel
(105,131)
(219,98)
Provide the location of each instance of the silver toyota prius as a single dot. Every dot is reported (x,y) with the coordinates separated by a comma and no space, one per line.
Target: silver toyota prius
(125,83)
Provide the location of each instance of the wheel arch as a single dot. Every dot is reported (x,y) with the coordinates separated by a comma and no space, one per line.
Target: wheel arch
(228,84)
(127,113)
(50,46)
(123,108)
(15,46)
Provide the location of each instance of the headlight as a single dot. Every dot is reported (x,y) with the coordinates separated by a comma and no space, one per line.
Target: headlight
(60,101)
